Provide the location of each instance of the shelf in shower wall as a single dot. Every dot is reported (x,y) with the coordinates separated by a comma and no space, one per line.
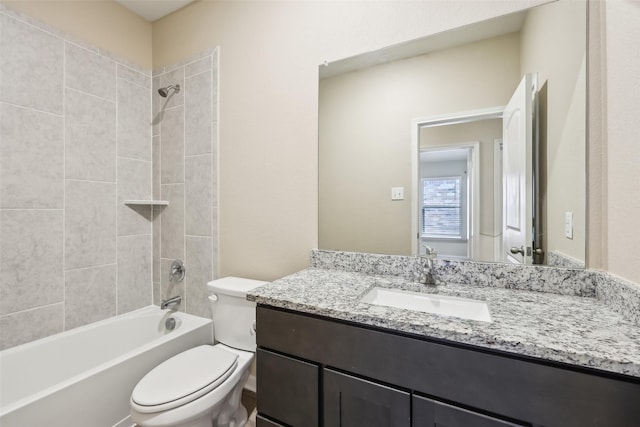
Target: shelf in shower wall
(147,202)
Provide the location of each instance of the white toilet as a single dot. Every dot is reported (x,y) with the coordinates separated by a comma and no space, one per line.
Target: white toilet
(202,387)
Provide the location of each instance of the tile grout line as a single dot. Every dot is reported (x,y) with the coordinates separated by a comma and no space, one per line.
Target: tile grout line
(24,107)
(153,208)
(64,187)
(117,192)
(215,159)
(73,89)
(184,179)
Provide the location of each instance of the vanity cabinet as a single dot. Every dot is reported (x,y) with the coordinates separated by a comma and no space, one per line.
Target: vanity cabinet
(316,371)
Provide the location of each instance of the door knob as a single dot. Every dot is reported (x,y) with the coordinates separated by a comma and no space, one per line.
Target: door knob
(519,250)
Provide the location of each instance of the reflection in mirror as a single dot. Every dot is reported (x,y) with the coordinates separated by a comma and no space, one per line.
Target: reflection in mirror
(368,109)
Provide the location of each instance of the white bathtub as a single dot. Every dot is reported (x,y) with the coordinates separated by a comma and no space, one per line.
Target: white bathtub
(84,377)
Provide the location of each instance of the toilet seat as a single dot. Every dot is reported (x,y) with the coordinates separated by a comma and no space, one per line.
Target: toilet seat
(183,378)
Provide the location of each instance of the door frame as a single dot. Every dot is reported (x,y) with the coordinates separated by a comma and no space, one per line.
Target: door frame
(440,120)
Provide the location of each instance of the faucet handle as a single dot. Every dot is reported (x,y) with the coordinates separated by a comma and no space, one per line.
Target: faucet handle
(429,251)
(177,271)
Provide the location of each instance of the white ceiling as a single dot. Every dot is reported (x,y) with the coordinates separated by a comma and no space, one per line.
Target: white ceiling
(152,10)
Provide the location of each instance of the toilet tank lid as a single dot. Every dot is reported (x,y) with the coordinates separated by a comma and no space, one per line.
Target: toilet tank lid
(234,286)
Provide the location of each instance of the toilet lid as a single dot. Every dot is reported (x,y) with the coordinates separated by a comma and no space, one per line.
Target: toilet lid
(183,378)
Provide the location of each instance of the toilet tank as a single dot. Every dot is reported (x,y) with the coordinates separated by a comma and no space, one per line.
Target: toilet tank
(233,316)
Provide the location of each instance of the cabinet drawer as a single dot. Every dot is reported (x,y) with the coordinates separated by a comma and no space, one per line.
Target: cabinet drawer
(354,402)
(287,389)
(427,412)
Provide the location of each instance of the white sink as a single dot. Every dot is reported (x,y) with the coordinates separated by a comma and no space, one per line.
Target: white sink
(429,303)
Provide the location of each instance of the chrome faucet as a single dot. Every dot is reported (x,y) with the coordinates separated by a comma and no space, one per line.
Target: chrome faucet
(168,303)
(426,276)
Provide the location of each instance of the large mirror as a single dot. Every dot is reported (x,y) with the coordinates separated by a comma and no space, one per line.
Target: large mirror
(412,142)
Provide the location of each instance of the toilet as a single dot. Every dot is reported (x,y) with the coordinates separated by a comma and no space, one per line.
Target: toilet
(202,386)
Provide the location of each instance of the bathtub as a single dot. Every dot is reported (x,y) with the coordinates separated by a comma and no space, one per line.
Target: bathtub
(84,377)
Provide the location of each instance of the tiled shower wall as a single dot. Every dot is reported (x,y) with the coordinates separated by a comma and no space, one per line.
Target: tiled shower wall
(184,158)
(75,142)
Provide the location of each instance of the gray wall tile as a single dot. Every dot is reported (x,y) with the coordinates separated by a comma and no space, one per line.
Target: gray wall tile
(30,325)
(134,119)
(199,272)
(215,254)
(134,183)
(134,273)
(31,160)
(89,72)
(49,223)
(157,227)
(172,146)
(30,259)
(198,116)
(198,66)
(90,224)
(157,293)
(90,295)
(30,66)
(172,240)
(134,76)
(90,147)
(198,192)
(214,148)
(155,173)
(156,102)
(214,89)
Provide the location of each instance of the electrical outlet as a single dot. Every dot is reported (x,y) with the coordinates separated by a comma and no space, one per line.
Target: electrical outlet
(397,193)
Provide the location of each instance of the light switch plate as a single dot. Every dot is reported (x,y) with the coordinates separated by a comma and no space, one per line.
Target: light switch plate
(397,193)
(568,225)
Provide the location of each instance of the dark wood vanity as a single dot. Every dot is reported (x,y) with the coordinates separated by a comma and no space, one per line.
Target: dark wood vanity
(317,371)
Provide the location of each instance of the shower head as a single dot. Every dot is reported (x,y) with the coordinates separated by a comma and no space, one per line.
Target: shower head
(164,91)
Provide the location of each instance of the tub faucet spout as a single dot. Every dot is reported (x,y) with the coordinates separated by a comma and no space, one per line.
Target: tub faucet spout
(171,302)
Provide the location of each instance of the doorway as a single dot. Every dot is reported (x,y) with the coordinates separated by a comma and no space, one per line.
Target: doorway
(454,182)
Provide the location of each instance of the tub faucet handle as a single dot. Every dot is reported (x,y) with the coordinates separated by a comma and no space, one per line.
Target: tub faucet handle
(177,271)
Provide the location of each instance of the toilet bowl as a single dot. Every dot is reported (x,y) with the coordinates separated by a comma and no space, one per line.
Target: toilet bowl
(202,386)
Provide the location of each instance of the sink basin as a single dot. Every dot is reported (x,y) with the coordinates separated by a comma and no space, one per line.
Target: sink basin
(429,303)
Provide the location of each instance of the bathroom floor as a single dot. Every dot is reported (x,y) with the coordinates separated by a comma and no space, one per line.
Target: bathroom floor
(249,402)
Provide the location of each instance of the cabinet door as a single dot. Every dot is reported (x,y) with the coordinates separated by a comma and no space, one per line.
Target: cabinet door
(287,389)
(354,402)
(263,422)
(429,413)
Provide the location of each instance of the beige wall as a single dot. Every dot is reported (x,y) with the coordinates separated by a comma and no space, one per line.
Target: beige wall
(553,46)
(103,24)
(623,130)
(269,54)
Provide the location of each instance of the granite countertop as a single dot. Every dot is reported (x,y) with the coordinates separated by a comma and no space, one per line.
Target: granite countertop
(569,329)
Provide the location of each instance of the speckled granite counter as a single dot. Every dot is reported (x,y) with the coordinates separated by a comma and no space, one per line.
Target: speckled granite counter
(570,329)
